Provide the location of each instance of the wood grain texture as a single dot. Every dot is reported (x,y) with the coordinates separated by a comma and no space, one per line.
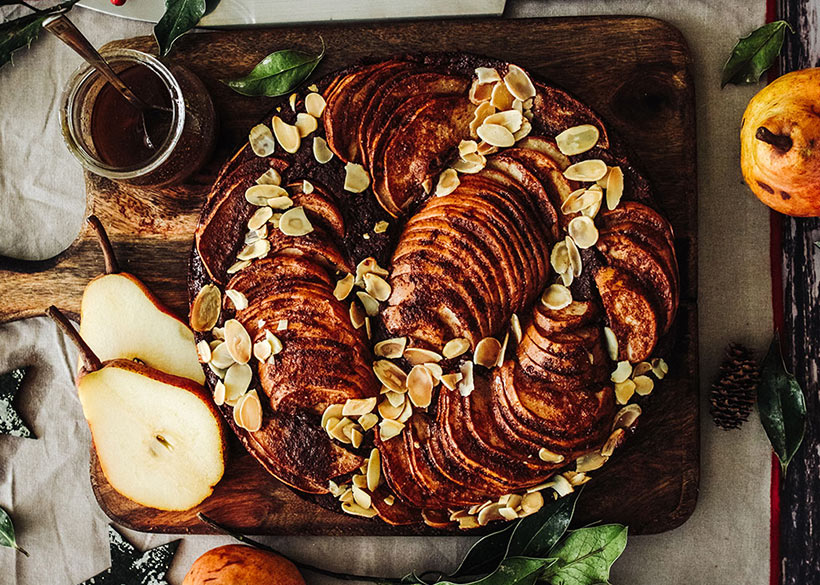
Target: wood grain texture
(633,71)
(800,488)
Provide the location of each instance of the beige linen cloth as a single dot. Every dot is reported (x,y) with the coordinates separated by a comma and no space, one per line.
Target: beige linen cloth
(45,484)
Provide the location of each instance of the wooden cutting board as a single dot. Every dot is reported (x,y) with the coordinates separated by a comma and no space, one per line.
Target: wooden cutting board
(634,71)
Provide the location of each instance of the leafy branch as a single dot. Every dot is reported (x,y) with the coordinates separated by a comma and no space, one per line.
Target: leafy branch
(754,54)
(7,537)
(20,32)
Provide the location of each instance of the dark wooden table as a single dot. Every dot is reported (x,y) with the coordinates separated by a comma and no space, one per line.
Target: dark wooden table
(800,305)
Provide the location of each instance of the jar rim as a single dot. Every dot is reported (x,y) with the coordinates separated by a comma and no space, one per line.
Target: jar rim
(71,133)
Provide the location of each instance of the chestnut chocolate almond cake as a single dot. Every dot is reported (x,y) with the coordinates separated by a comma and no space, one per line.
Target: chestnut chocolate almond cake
(429,289)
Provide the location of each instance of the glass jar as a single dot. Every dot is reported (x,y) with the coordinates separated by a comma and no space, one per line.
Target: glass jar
(103,131)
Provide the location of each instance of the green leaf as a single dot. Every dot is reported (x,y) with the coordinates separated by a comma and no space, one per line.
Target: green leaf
(754,54)
(511,571)
(781,405)
(20,32)
(278,73)
(180,17)
(817,244)
(7,537)
(486,554)
(586,555)
(535,535)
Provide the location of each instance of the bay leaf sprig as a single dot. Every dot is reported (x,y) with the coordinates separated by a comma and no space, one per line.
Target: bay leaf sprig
(18,33)
(278,74)
(535,549)
(7,537)
(781,405)
(180,16)
(754,54)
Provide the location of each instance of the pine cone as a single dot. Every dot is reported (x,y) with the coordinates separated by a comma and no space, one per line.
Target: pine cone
(733,395)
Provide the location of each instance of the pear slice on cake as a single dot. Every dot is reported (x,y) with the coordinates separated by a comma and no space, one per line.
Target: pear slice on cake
(159,438)
(121,318)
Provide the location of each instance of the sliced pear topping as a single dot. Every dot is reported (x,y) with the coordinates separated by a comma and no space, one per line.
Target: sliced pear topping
(238,341)
(376,286)
(261,140)
(418,355)
(390,348)
(448,181)
(487,75)
(261,195)
(614,187)
(450,381)
(306,124)
(314,104)
(237,379)
(294,222)
(577,139)
(250,412)
(519,83)
(356,178)
(389,428)
(486,352)
(420,386)
(455,347)
(257,249)
(343,287)
(239,300)
(391,375)
(556,297)
(495,135)
(287,135)
(321,151)
(622,372)
(587,170)
(206,308)
(269,177)
(582,229)
(550,456)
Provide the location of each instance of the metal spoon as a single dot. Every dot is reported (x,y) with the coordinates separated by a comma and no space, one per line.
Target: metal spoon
(62,28)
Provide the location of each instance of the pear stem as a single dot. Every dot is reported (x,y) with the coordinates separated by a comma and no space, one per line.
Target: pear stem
(90,361)
(304,566)
(780,142)
(111,264)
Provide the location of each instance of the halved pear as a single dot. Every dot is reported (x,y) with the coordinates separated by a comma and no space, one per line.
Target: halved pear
(121,318)
(159,439)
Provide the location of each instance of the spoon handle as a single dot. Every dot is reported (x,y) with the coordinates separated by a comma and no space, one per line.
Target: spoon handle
(62,28)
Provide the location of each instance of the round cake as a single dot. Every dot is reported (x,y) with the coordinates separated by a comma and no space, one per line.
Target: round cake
(429,289)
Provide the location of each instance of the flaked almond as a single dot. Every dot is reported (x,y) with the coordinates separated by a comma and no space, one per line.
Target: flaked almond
(614,187)
(292,101)
(448,181)
(582,199)
(281,325)
(314,104)
(523,131)
(427,185)
(370,304)
(659,368)
(627,417)
(611,343)
(269,177)
(480,92)
(556,297)
(582,229)
(510,119)
(575,478)
(388,411)
(390,375)
(237,411)
(455,347)
(559,258)
(390,348)
(643,385)
(396,399)
(258,249)
(589,462)
(261,140)
(356,178)
(435,371)
(418,355)
(286,134)
(374,470)
(358,406)
(389,428)
(380,227)
(250,412)
(356,437)
(376,286)
(487,75)
(467,384)
(305,124)
(307,187)
(279,203)
(508,513)
(221,357)
(238,341)
(622,372)
(515,327)
(343,287)
(450,381)
(206,308)
(501,98)
(615,440)
(420,386)
(237,379)
(368,421)
(641,368)
(218,372)
(567,277)
(337,431)
(624,391)
(357,315)
(354,509)
(577,139)
(488,514)
(294,222)
(519,83)
(260,218)
(470,164)
(486,149)
(332,411)
(548,456)
(481,112)
(466,147)
(366,266)
(486,352)
(262,350)
(275,343)
(495,135)
(219,393)
(575,261)
(203,351)
(239,300)
(531,503)
(503,352)
(321,151)
(587,170)
(218,333)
